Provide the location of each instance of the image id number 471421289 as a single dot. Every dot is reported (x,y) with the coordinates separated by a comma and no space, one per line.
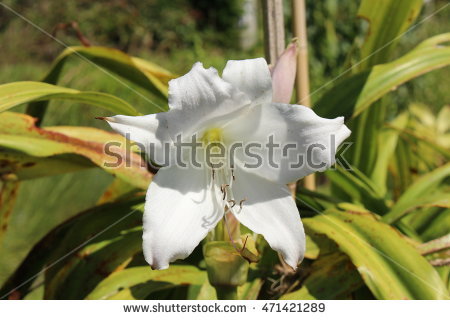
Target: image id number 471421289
(294,307)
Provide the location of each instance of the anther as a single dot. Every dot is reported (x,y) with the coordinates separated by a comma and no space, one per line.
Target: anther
(224,190)
(233,203)
(213,174)
(232,174)
(242,202)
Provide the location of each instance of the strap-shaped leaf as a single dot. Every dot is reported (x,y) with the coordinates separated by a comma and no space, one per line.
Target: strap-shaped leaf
(81,272)
(356,187)
(438,226)
(139,71)
(18,132)
(139,282)
(387,20)
(414,195)
(348,98)
(87,247)
(20,166)
(388,138)
(429,55)
(17,93)
(110,62)
(389,265)
(331,277)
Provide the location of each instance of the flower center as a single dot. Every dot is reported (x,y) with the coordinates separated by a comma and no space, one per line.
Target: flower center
(213,135)
(222,177)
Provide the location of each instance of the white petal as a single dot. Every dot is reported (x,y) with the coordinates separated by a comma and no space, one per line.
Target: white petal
(179,212)
(199,96)
(270,210)
(252,77)
(149,131)
(305,143)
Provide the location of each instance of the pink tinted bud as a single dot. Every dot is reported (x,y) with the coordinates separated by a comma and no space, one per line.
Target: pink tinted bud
(283,75)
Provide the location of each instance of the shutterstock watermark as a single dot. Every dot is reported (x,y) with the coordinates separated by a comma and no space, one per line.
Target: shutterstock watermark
(195,153)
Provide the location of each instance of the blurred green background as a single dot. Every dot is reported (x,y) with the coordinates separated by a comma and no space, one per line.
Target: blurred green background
(173,34)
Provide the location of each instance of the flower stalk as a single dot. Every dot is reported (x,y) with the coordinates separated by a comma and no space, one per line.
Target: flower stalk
(226,268)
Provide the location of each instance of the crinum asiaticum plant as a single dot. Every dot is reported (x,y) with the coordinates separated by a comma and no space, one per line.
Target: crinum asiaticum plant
(186,201)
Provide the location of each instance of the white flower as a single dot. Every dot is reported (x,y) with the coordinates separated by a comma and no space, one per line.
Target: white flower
(184,204)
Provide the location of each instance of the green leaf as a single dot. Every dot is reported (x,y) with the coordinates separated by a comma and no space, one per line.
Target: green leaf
(350,98)
(116,190)
(8,196)
(387,20)
(421,219)
(389,265)
(89,265)
(358,188)
(415,195)
(403,168)
(139,71)
(444,272)
(388,138)
(340,99)
(111,62)
(202,292)
(331,277)
(140,282)
(312,250)
(82,251)
(17,93)
(18,132)
(429,142)
(16,165)
(250,290)
(311,202)
(429,55)
(438,227)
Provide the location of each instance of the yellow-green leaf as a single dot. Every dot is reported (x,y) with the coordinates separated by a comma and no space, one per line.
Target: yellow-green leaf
(429,55)
(390,266)
(331,277)
(387,20)
(349,97)
(18,132)
(139,282)
(17,93)
(414,195)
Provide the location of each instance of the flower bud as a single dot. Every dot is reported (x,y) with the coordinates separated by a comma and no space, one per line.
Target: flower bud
(226,267)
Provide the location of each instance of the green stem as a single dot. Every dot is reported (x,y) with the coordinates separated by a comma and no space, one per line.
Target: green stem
(226,293)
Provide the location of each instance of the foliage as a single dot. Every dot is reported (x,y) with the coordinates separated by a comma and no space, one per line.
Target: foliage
(378,231)
(136,24)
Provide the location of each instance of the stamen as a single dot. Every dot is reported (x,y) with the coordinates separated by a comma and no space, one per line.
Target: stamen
(241,203)
(232,174)
(224,190)
(245,242)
